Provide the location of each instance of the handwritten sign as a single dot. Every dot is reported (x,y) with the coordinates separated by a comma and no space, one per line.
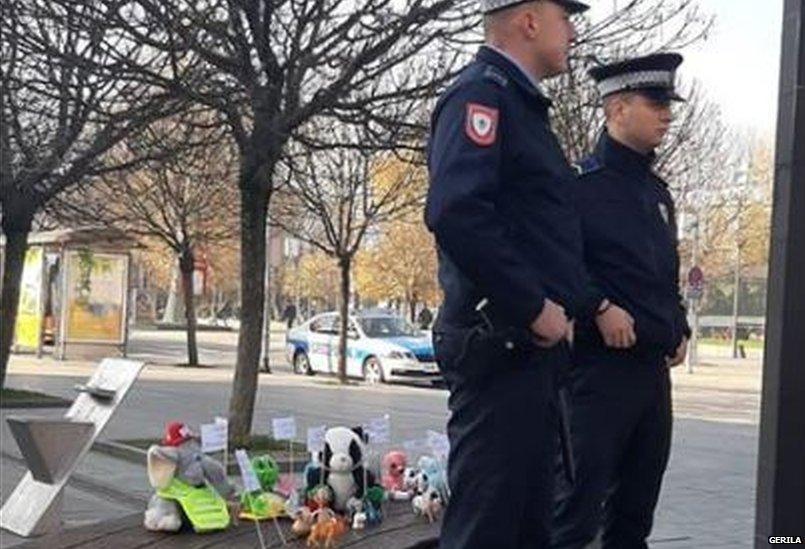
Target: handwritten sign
(379,430)
(213,437)
(284,428)
(315,439)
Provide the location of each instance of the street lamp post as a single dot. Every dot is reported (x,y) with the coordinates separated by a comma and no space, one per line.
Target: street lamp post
(780,503)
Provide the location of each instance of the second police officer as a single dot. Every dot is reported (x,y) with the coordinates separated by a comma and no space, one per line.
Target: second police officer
(621,391)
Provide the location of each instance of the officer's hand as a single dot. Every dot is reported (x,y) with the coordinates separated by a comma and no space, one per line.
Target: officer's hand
(616,327)
(550,327)
(679,357)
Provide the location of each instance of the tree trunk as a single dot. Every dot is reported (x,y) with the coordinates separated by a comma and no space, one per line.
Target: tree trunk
(13,263)
(344,264)
(187,266)
(253,202)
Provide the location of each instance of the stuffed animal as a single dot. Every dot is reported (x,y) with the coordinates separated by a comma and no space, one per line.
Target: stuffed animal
(394,464)
(181,474)
(263,503)
(319,497)
(356,513)
(410,479)
(373,503)
(267,472)
(342,466)
(428,504)
(303,522)
(432,475)
(359,520)
(326,532)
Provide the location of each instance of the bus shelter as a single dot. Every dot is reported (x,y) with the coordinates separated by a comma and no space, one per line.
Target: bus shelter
(74,296)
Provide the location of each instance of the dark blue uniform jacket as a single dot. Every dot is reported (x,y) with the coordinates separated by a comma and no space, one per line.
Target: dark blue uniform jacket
(501,211)
(630,249)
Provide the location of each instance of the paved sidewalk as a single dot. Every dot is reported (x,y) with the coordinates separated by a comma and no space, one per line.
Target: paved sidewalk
(708,495)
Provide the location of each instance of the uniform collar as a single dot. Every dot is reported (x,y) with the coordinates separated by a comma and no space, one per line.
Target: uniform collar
(618,156)
(505,62)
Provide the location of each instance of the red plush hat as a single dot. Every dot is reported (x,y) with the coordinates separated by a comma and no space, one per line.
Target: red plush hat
(176,433)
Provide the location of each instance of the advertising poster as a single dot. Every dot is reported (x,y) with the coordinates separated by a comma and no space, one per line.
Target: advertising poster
(29,313)
(96,292)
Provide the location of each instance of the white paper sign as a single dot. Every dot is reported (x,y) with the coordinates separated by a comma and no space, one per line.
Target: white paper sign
(250,482)
(284,428)
(222,421)
(439,444)
(379,430)
(213,437)
(315,439)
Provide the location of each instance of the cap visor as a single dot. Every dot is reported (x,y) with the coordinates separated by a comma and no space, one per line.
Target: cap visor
(573,7)
(661,94)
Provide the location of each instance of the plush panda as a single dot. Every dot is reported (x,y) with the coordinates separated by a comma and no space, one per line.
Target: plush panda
(342,462)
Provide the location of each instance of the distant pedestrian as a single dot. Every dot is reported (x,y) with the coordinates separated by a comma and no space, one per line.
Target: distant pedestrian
(289,314)
(425,318)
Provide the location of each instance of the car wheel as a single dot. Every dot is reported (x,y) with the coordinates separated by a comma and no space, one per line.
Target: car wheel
(373,371)
(301,364)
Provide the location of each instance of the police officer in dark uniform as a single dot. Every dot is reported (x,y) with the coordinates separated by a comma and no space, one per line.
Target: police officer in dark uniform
(621,392)
(510,265)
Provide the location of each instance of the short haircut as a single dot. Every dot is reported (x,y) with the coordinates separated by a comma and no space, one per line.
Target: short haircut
(609,100)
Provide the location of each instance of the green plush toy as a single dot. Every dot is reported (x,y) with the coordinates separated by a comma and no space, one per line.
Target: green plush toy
(263,504)
(267,471)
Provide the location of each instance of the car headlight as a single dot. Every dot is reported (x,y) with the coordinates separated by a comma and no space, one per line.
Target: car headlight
(400,355)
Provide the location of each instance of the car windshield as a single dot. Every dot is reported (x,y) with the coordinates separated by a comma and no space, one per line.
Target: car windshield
(387,326)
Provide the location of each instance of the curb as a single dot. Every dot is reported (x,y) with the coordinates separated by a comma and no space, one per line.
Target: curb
(32,404)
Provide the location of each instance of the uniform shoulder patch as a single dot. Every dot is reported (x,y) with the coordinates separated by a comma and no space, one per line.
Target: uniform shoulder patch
(588,165)
(481,124)
(495,75)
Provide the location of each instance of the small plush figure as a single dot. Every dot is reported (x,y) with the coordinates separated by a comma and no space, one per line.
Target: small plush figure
(267,472)
(373,505)
(325,533)
(303,522)
(263,503)
(319,497)
(394,464)
(359,520)
(410,480)
(434,476)
(428,504)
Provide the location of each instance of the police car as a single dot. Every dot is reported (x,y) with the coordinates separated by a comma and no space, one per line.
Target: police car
(381,347)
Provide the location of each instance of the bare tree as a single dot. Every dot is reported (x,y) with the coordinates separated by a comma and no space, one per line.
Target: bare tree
(333,198)
(59,118)
(186,200)
(270,67)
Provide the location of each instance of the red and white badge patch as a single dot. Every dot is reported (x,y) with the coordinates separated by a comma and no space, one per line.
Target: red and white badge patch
(482,124)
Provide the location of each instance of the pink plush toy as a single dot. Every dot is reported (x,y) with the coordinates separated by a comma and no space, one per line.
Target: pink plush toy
(393,469)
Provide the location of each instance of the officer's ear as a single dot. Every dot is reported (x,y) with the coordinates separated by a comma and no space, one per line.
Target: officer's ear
(615,106)
(531,20)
